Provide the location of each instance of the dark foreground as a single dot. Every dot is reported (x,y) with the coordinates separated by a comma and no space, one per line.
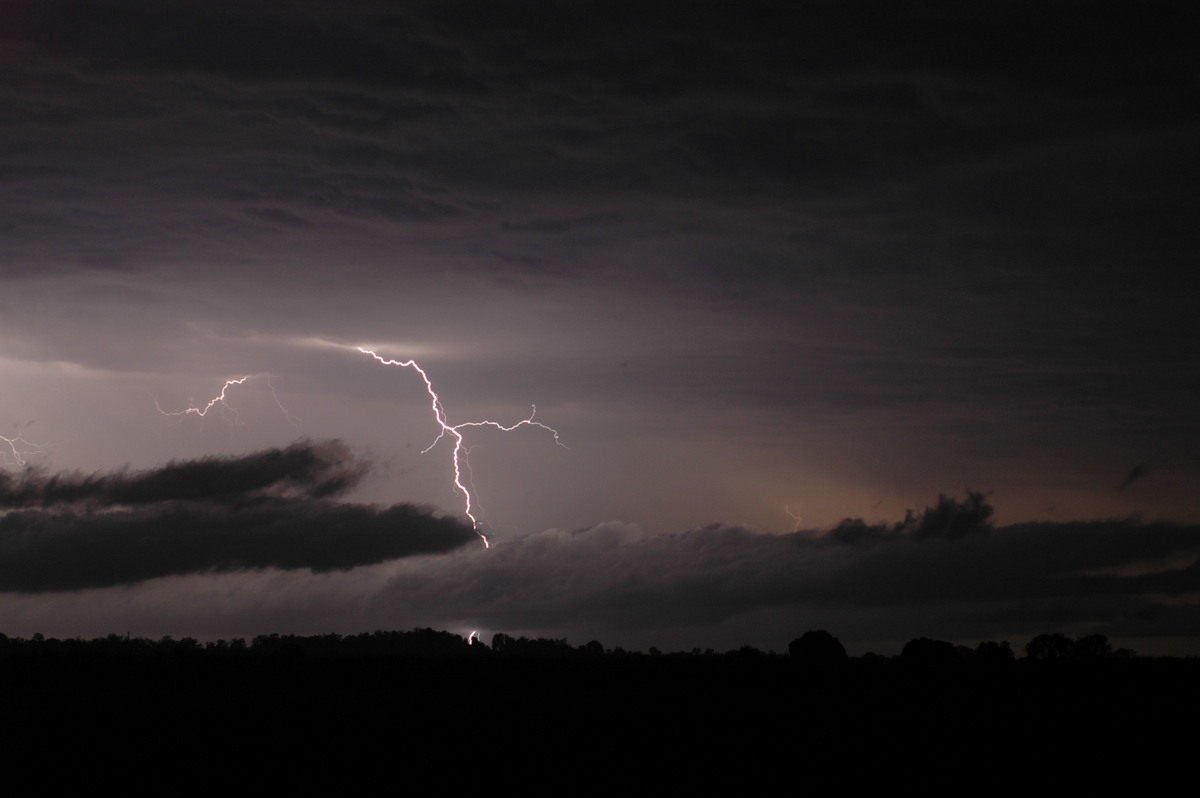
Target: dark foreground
(421,710)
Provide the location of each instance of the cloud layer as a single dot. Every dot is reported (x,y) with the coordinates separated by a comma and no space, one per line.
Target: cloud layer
(1018,579)
(748,257)
(269,509)
(718,585)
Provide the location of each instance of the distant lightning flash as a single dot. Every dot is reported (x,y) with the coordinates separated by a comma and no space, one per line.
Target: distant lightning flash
(461,459)
(795,517)
(220,399)
(18,449)
(454,431)
(295,422)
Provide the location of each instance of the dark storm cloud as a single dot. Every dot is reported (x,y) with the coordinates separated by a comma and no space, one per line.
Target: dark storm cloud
(912,238)
(1014,151)
(949,519)
(970,186)
(419,110)
(1030,575)
(306,469)
(264,510)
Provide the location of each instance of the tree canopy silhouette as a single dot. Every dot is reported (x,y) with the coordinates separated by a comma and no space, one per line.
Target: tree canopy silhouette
(817,647)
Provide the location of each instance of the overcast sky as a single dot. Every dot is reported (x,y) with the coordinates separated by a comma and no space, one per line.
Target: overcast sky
(762,266)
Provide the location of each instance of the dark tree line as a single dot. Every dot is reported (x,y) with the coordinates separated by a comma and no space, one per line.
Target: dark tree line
(815,647)
(363,713)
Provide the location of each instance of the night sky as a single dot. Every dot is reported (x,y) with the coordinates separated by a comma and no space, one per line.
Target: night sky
(763,266)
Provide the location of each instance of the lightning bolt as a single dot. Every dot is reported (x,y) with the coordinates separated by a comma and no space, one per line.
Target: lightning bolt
(295,422)
(220,399)
(446,429)
(455,431)
(18,449)
(795,517)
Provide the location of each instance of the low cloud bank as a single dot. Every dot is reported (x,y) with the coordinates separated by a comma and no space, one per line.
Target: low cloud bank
(946,569)
(268,509)
(944,572)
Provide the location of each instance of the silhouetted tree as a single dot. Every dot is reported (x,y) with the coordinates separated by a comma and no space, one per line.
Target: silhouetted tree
(748,653)
(923,649)
(1050,646)
(1093,647)
(593,648)
(990,652)
(817,647)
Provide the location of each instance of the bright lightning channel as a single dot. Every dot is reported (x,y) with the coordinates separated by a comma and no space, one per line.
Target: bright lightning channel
(454,431)
(219,399)
(18,449)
